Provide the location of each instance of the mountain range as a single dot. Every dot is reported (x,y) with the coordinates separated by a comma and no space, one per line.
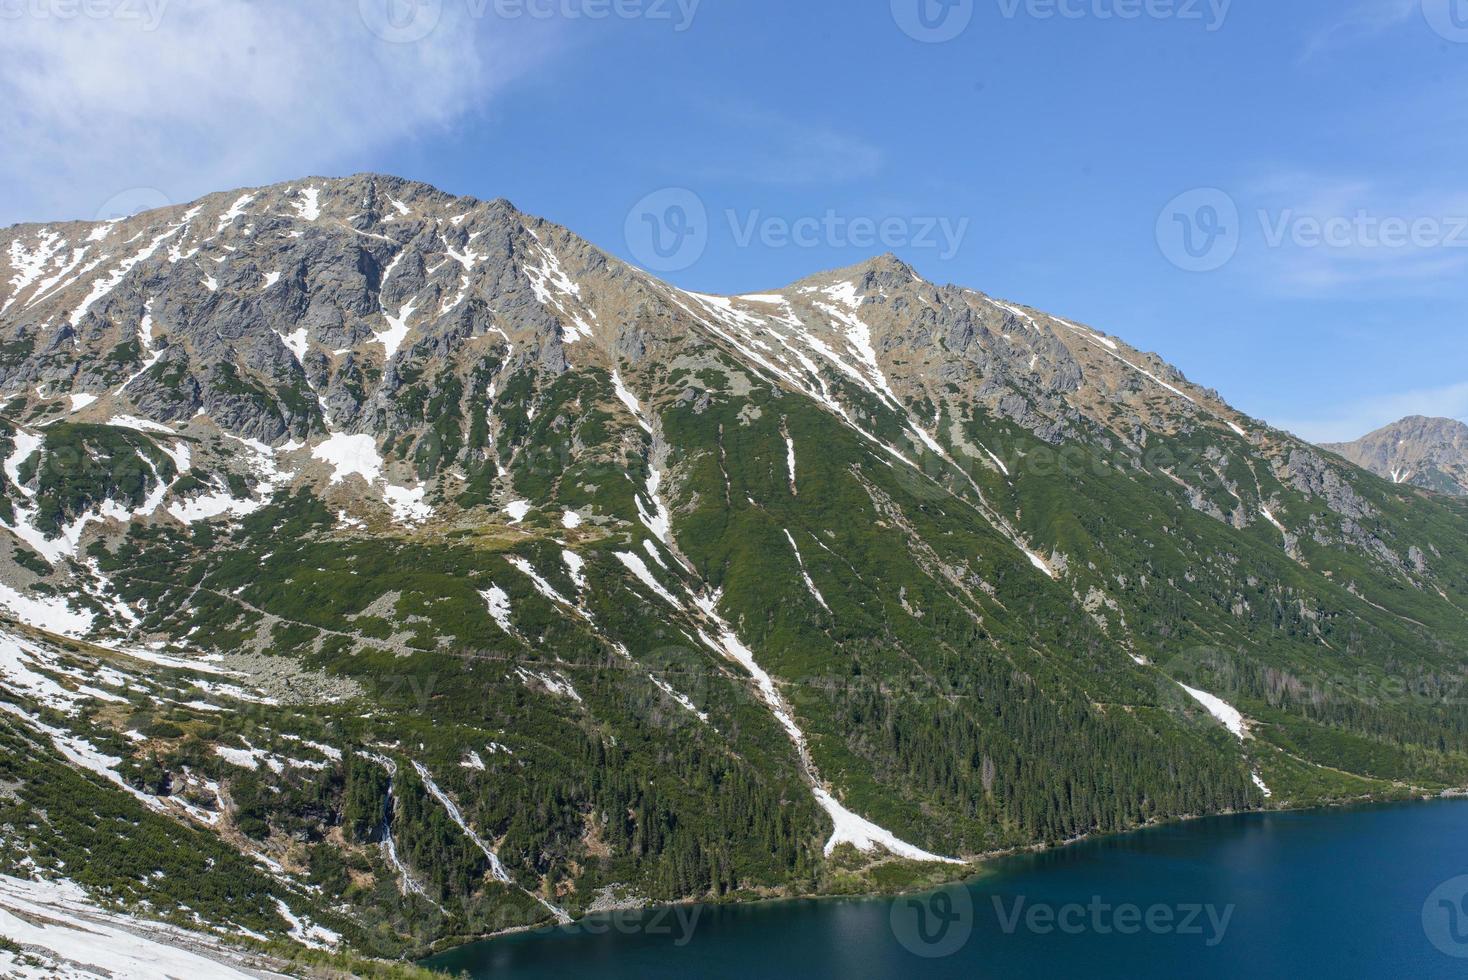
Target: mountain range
(386,569)
(1422,452)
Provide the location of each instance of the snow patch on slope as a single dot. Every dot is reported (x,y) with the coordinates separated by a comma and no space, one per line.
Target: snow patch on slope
(308,208)
(1230,716)
(350,455)
(498,601)
(638,568)
(65,929)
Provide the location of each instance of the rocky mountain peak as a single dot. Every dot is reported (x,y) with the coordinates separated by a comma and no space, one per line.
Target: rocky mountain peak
(1431,453)
(863,567)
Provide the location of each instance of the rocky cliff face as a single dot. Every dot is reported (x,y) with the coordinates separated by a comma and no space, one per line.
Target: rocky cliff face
(590,590)
(1422,452)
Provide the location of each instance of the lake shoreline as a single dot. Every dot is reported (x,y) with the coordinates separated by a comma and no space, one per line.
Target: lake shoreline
(976,869)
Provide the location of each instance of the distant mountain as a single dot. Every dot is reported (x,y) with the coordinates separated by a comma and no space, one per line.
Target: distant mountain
(1422,452)
(391,568)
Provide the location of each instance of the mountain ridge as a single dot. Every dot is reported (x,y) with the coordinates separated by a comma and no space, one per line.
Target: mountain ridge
(1431,453)
(440,562)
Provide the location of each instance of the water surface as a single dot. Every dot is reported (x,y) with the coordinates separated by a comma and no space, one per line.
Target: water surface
(1360,892)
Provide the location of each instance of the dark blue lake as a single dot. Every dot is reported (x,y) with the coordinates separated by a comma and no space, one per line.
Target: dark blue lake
(1361,892)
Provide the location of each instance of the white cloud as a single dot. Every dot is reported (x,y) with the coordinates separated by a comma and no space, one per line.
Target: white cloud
(1353,420)
(226,92)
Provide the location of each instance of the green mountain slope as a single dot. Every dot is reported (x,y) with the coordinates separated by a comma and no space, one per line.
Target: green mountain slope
(467,579)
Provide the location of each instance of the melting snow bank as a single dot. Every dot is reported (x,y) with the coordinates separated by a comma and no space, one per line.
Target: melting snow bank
(356,455)
(630,400)
(51,613)
(790,463)
(212,505)
(350,455)
(58,925)
(84,755)
(1232,719)
(638,567)
(864,835)
(499,607)
(555,682)
(305,932)
(1220,709)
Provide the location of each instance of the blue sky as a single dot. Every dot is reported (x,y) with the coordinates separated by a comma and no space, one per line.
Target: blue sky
(1311,154)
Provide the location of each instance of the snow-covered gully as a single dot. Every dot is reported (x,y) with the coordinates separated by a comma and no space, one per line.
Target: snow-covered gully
(850,828)
(496,867)
(1232,719)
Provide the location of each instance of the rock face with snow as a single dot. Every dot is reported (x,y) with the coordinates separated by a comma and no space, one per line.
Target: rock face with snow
(1422,452)
(462,572)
